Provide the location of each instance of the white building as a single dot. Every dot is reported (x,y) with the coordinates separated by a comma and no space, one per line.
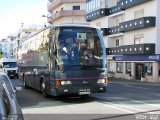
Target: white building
(66,11)
(131,31)
(7,48)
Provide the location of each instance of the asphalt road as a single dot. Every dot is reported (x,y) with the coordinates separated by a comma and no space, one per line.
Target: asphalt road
(124,100)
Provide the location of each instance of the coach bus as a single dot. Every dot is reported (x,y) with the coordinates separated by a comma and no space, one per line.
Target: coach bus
(64,60)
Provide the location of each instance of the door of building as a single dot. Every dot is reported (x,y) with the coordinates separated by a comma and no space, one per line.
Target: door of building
(139,71)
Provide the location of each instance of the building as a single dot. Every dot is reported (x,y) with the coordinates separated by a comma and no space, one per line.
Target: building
(131,30)
(66,11)
(6,48)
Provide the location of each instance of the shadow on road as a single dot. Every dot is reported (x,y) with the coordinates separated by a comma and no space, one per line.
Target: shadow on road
(33,98)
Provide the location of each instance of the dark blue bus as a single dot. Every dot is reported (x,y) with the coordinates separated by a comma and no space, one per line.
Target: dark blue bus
(64,60)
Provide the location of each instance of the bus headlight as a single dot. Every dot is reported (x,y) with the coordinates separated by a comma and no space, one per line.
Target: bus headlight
(101,81)
(66,82)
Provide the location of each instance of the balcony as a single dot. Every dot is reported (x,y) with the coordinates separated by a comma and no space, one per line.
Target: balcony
(66,13)
(56,3)
(125,4)
(135,24)
(97,14)
(132,49)
(114,10)
(139,23)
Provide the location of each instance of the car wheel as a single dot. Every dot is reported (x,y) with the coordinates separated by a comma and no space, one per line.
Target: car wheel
(43,89)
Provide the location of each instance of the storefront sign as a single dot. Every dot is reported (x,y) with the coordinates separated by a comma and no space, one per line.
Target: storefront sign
(155,57)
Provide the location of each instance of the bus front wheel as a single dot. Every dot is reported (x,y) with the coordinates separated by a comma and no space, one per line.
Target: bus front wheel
(43,89)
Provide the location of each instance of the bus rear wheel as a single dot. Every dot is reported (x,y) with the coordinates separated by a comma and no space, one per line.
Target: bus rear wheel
(43,89)
(25,83)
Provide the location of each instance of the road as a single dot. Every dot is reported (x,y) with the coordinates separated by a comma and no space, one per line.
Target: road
(124,100)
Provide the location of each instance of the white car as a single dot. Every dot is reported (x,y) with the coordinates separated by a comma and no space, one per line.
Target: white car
(9,108)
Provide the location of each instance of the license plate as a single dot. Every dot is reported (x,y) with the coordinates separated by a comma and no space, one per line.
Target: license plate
(84,91)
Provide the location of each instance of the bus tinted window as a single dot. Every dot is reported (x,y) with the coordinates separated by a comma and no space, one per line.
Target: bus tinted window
(78,46)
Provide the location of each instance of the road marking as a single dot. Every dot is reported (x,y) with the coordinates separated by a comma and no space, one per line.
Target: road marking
(115,107)
(136,101)
(139,110)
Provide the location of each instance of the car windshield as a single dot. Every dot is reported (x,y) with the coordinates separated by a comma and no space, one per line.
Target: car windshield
(78,46)
(9,64)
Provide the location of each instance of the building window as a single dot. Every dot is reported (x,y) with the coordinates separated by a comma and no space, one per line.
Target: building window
(128,68)
(119,67)
(148,69)
(117,42)
(138,39)
(76,7)
(94,5)
(139,13)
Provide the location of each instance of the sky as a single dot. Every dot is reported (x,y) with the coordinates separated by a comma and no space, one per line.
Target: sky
(15,12)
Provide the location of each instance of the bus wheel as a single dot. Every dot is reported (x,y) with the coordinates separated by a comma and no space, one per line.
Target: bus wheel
(24,83)
(43,89)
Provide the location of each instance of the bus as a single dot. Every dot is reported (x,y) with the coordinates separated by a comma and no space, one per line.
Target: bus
(64,60)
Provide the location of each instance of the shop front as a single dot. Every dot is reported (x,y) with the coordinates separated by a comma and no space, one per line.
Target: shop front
(136,67)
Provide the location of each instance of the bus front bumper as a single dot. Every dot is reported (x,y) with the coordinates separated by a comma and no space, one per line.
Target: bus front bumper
(80,90)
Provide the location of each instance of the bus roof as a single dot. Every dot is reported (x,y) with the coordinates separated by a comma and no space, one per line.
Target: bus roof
(73,25)
(62,25)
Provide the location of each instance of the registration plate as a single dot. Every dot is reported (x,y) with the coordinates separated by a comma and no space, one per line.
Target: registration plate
(84,91)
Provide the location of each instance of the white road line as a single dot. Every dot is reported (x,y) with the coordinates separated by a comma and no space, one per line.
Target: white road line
(124,106)
(136,101)
(115,107)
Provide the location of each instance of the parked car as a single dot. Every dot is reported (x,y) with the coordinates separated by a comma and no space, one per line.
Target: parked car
(9,108)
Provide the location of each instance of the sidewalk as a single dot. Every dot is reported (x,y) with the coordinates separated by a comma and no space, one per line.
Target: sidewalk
(121,80)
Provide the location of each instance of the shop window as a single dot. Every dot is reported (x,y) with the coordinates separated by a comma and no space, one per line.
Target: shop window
(110,66)
(128,68)
(148,69)
(119,67)
(159,69)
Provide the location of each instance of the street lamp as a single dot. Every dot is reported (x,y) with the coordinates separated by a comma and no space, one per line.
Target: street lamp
(49,15)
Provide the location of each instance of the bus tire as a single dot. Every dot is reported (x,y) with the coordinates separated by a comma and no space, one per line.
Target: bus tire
(43,89)
(25,83)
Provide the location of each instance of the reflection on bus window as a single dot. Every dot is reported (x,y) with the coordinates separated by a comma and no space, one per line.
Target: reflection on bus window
(78,46)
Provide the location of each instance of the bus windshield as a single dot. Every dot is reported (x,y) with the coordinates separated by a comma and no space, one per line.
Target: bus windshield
(9,64)
(78,46)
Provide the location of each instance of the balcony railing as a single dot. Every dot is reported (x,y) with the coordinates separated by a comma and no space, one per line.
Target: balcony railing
(115,9)
(132,49)
(55,3)
(97,14)
(139,23)
(125,4)
(65,13)
(135,24)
